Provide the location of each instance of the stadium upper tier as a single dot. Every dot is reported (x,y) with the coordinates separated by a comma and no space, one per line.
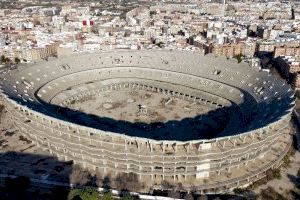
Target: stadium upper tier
(255,98)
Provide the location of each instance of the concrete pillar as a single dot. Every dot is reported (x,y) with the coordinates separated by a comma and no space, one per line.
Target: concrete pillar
(175,147)
(224,143)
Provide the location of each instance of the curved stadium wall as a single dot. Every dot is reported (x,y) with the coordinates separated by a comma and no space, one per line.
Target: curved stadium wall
(255,139)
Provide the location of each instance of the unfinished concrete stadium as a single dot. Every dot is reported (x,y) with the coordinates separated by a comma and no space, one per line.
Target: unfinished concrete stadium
(209,122)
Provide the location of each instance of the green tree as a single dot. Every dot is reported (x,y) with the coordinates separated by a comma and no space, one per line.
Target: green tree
(277,174)
(2,59)
(239,58)
(17,60)
(88,193)
(7,60)
(127,197)
(107,196)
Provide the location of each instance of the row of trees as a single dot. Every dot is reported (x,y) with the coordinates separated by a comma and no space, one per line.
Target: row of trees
(17,189)
(91,193)
(5,60)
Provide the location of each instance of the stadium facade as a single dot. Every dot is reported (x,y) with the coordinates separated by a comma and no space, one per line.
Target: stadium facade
(255,139)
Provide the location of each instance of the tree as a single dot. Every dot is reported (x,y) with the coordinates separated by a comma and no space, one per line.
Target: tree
(127,197)
(2,59)
(106,184)
(270,193)
(239,58)
(127,182)
(79,176)
(17,60)
(160,44)
(88,193)
(107,196)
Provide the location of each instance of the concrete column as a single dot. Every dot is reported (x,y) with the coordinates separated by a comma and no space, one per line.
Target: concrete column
(163,147)
(199,146)
(175,147)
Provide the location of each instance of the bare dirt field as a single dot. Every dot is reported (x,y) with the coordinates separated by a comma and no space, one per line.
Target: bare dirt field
(152,115)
